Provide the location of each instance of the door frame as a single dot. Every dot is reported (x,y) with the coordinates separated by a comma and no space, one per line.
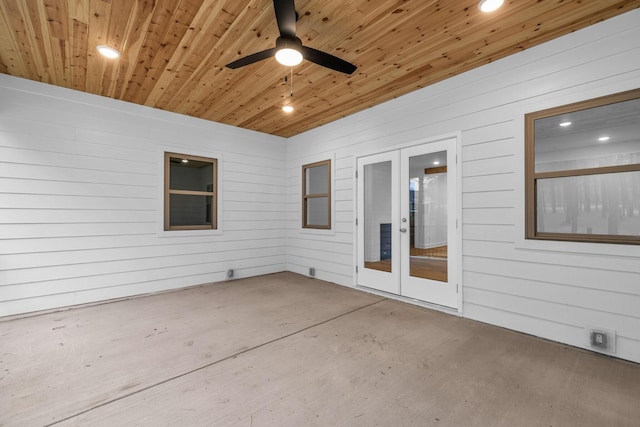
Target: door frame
(458,238)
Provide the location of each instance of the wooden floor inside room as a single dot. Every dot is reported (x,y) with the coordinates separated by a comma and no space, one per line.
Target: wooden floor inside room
(287,350)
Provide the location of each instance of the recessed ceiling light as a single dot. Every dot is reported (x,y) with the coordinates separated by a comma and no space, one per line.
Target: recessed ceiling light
(489,5)
(287,108)
(108,51)
(603,138)
(185,161)
(436,162)
(565,124)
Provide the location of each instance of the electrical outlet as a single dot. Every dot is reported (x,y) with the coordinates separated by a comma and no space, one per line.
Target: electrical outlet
(229,274)
(601,339)
(312,272)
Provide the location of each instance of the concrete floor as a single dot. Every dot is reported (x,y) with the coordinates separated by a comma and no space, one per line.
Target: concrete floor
(286,350)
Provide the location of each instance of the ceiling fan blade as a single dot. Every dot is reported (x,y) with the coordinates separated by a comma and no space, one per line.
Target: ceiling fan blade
(259,56)
(327,60)
(286,18)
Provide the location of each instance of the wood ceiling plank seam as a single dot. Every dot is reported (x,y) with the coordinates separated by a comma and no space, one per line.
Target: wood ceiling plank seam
(56,16)
(181,20)
(424,40)
(98,25)
(4,69)
(210,82)
(10,58)
(25,56)
(196,44)
(151,51)
(79,31)
(213,63)
(116,38)
(78,62)
(43,50)
(271,91)
(137,24)
(370,34)
(333,39)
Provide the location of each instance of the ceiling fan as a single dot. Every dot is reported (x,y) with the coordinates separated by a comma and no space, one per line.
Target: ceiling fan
(289,50)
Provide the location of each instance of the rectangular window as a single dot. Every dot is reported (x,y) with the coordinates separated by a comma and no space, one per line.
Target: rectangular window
(316,195)
(582,171)
(190,192)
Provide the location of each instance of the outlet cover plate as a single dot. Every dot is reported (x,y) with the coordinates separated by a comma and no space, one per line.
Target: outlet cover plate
(606,345)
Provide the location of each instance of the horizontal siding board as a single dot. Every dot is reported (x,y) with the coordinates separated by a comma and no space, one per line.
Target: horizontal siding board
(488,232)
(496,165)
(595,278)
(489,199)
(248,197)
(108,254)
(124,165)
(587,298)
(42,244)
(489,149)
(76,174)
(49,201)
(490,216)
(139,267)
(507,251)
(549,329)
(54,151)
(497,182)
(30,231)
(496,133)
(557,313)
(68,188)
(68,216)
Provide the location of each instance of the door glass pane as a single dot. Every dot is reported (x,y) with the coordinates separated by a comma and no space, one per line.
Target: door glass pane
(428,216)
(377,216)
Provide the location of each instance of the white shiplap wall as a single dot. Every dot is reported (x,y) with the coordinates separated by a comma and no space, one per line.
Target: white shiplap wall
(549,289)
(81,199)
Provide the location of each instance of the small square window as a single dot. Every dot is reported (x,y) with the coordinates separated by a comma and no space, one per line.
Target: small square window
(316,195)
(190,196)
(583,171)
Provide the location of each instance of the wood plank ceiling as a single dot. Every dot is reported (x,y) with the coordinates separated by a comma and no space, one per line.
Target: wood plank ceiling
(175,51)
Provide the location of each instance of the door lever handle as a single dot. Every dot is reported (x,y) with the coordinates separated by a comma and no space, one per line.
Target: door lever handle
(403,230)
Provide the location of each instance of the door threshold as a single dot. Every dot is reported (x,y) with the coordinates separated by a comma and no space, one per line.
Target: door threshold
(413,301)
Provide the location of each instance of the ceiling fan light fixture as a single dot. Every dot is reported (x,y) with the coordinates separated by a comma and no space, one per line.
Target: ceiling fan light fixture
(108,51)
(289,57)
(489,5)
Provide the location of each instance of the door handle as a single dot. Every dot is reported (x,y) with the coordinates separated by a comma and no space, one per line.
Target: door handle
(403,230)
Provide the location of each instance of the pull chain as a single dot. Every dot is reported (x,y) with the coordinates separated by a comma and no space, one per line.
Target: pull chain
(291,81)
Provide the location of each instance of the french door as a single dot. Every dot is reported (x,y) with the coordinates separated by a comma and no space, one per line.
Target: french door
(406,222)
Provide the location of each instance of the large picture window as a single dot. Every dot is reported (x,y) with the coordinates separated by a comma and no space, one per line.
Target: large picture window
(190,192)
(316,195)
(582,171)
